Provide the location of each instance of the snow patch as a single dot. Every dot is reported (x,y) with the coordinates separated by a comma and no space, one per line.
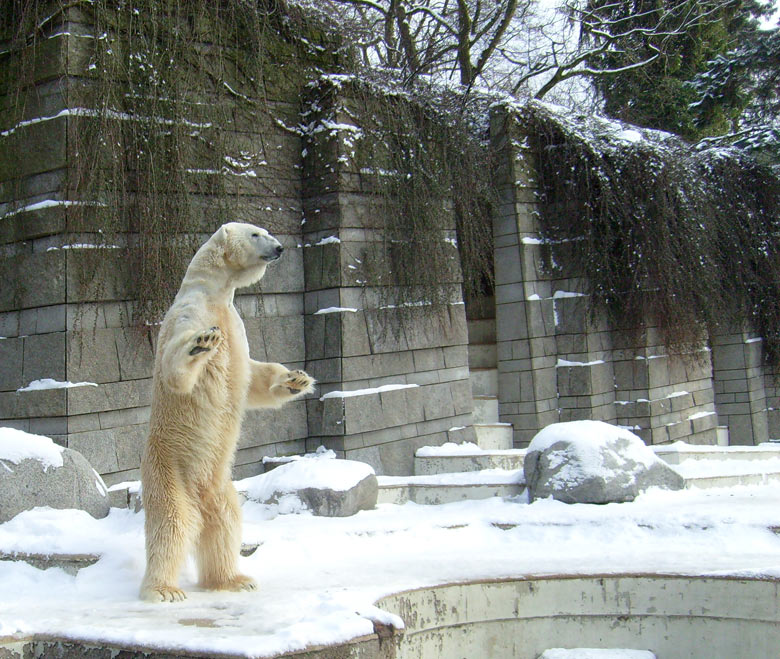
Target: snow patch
(49,383)
(366,392)
(319,312)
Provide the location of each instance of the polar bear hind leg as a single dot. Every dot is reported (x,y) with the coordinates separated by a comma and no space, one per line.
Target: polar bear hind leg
(171,525)
(219,543)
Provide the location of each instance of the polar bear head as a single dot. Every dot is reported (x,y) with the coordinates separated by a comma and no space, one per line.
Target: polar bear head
(242,251)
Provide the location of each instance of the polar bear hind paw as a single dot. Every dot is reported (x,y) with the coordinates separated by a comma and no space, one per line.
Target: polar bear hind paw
(163,594)
(238,583)
(207,340)
(299,382)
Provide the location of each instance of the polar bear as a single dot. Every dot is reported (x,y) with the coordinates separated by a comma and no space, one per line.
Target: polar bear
(203,381)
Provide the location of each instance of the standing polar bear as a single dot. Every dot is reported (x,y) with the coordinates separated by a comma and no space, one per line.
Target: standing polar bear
(203,382)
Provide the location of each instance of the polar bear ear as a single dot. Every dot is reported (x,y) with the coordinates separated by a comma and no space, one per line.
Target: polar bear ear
(224,232)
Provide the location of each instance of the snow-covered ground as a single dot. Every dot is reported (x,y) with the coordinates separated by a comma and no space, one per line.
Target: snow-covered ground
(320,577)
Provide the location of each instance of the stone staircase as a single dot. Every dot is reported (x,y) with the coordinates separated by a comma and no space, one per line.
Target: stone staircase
(486,469)
(724,466)
(483,369)
(467,471)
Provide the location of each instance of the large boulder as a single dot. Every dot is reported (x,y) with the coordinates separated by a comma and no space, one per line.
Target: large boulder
(34,471)
(318,483)
(593,462)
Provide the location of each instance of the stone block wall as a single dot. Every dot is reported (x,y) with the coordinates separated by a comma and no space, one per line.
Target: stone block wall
(54,327)
(557,363)
(414,385)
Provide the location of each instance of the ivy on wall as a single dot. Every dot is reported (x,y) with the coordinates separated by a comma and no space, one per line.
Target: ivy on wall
(664,235)
(161,97)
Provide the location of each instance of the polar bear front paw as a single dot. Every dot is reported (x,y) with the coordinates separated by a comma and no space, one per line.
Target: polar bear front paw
(298,382)
(206,341)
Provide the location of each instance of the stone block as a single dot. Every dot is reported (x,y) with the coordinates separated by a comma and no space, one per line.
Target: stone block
(44,357)
(437,401)
(509,293)
(98,447)
(109,396)
(92,356)
(42,403)
(728,357)
(363,413)
(49,426)
(602,378)
(11,359)
(134,353)
(511,322)
(508,265)
(574,380)
(322,336)
(129,442)
(355,334)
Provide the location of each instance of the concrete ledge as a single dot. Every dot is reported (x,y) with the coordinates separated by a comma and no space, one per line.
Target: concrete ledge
(674,616)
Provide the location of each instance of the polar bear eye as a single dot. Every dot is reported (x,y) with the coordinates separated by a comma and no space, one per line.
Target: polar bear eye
(255,235)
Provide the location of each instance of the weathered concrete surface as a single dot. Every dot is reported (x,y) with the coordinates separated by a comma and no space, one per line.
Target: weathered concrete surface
(675,617)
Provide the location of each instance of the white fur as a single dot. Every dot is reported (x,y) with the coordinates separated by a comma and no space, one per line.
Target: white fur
(204,379)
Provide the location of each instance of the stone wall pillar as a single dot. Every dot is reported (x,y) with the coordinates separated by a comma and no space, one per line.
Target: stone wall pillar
(383,391)
(740,386)
(556,362)
(527,379)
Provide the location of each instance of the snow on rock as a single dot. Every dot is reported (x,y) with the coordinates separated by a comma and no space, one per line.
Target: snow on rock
(593,462)
(317,483)
(16,445)
(36,472)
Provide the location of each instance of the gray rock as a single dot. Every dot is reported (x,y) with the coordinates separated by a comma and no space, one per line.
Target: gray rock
(334,503)
(593,462)
(30,483)
(325,486)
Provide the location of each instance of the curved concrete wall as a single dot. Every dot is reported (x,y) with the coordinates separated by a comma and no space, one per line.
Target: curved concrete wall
(675,617)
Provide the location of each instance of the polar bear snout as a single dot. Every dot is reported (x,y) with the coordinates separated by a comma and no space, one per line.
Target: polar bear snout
(274,253)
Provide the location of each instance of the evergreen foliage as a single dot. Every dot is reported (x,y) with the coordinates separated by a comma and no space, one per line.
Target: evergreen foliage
(657,95)
(746,80)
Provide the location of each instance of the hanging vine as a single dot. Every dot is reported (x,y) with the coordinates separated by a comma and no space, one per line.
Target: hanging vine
(665,235)
(161,98)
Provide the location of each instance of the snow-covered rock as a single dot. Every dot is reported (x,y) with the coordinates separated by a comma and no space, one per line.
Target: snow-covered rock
(593,462)
(34,471)
(318,483)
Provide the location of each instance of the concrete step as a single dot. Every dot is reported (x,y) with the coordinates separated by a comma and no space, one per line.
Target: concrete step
(494,436)
(435,460)
(731,480)
(482,330)
(680,452)
(437,489)
(484,381)
(485,409)
(483,355)
(720,472)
